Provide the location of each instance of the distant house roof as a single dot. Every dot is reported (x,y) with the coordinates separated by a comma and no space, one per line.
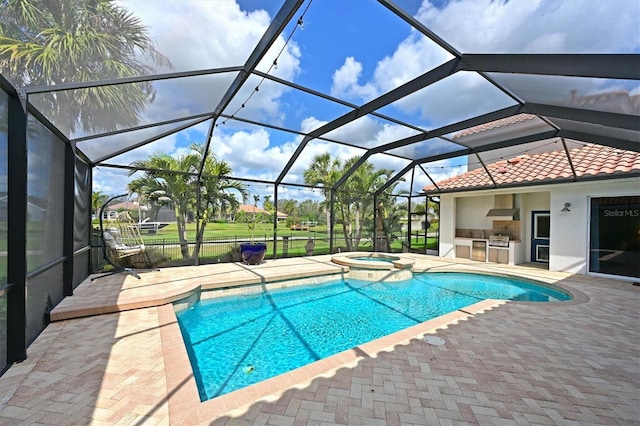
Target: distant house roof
(504,122)
(250,209)
(126,205)
(589,160)
(615,101)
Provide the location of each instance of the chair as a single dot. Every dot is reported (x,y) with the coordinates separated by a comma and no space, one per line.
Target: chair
(122,244)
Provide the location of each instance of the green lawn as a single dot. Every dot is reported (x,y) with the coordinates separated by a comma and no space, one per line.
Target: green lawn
(220,238)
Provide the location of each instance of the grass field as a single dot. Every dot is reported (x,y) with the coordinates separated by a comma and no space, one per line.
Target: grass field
(221,238)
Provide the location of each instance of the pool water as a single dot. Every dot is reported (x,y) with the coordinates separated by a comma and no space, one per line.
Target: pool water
(374,259)
(237,341)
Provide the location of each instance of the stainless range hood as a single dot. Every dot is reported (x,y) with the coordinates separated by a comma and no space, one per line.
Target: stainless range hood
(504,214)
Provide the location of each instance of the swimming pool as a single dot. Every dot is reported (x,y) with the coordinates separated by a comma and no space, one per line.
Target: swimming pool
(237,341)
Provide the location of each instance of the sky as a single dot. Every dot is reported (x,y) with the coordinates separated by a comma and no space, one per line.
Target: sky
(353,50)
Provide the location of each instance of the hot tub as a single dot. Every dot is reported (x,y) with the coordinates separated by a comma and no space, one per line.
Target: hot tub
(368,266)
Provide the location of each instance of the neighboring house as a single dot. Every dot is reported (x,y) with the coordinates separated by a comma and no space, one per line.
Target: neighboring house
(249,209)
(580,216)
(111,212)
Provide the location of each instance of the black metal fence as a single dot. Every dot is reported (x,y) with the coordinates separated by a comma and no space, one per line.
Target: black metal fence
(167,252)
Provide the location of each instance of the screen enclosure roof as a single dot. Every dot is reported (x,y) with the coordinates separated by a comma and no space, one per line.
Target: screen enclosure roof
(266,85)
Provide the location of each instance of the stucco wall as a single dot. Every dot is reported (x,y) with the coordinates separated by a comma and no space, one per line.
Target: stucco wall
(447,225)
(569,246)
(569,233)
(471,212)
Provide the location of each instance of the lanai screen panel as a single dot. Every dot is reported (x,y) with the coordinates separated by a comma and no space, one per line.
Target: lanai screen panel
(502,132)
(546,26)
(353,50)
(124,106)
(280,105)
(427,148)
(457,97)
(196,35)
(175,145)
(318,147)
(631,137)
(535,162)
(450,175)
(99,149)
(253,151)
(370,131)
(595,94)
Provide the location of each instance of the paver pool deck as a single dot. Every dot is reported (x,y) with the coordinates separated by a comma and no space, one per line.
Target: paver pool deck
(113,354)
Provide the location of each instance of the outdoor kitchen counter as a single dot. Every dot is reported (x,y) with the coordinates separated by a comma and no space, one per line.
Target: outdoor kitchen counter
(482,239)
(512,255)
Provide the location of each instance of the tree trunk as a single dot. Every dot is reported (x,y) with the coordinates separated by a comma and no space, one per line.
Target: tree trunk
(199,237)
(358,232)
(346,227)
(182,233)
(382,235)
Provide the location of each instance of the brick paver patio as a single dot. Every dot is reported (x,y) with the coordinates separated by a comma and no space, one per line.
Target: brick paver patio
(502,363)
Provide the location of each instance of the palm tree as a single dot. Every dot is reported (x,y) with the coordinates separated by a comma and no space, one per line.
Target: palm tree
(353,199)
(45,42)
(97,200)
(169,181)
(324,171)
(358,188)
(217,192)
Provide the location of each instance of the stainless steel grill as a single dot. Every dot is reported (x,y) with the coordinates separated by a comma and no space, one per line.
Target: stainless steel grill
(499,241)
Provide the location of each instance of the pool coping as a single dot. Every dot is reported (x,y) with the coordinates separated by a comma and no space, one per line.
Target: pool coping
(398,260)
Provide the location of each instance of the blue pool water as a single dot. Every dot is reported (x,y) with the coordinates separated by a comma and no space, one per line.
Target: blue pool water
(237,341)
(373,259)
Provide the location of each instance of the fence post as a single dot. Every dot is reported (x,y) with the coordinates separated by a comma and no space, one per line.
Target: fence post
(285,246)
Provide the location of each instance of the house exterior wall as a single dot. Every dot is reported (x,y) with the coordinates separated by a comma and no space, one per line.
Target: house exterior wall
(569,248)
(471,212)
(569,231)
(447,226)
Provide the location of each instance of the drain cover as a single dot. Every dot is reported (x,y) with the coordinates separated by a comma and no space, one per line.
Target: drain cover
(434,340)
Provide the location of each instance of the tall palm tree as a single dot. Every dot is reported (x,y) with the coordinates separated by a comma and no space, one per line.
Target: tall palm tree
(44,42)
(97,200)
(359,188)
(218,193)
(354,197)
(169,181)
(324,171)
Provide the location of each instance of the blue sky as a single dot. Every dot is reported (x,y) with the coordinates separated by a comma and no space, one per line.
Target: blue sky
(354,50)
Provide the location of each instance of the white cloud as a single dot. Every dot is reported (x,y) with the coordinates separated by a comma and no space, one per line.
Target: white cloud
(345,82)
(200,35)
(536,26)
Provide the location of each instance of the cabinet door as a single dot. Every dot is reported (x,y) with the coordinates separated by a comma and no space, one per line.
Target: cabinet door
(493,255)
(463,252)
(503,256)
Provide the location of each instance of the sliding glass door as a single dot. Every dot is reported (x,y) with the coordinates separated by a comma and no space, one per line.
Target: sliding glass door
(615,236)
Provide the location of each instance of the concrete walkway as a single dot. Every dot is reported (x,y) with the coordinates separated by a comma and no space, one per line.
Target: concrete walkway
(114,355)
